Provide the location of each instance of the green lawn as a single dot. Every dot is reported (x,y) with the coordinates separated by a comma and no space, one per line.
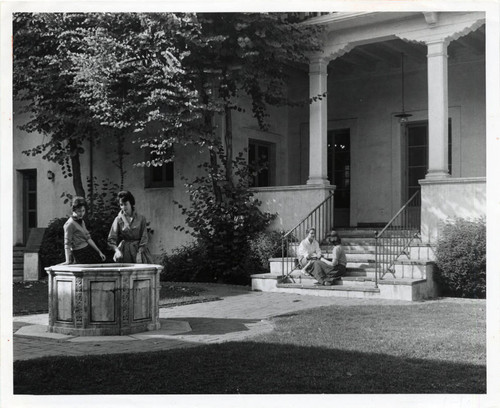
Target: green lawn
(428,347)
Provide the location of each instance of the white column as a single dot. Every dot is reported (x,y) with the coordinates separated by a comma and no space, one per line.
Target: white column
(318,123)
(437,82)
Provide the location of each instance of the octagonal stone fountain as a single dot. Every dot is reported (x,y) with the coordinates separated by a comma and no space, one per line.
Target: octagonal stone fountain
(104,299)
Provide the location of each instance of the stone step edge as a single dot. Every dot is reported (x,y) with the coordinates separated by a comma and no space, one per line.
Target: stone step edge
(358,278)
(422,262)
(292,258)
(349,274)
(349,269)
(397,281)
(342,288)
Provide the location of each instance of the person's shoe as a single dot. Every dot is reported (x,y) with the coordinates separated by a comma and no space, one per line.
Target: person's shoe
(327,283)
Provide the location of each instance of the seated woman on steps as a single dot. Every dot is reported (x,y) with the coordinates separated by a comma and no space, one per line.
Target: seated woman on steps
(339,260)
(312,261)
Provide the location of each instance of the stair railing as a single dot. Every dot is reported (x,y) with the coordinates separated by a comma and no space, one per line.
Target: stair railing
(320,218)
(395,238)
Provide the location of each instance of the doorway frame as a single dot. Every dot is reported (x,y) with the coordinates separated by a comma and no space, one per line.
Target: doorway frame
(352,125)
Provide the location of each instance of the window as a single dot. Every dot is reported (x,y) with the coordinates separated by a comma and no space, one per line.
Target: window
(159,176)
(262,162)
(418,154)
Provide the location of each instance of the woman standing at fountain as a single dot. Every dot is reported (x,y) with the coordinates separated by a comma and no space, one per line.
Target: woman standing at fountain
(78,245)
(128,236)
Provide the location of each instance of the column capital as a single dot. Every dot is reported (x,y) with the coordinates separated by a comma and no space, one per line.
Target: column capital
(437,48)
(318,65)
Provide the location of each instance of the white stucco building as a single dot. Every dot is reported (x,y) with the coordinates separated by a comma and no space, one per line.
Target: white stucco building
(379,162)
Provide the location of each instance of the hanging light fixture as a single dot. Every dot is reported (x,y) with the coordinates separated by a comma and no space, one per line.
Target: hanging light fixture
(403,116)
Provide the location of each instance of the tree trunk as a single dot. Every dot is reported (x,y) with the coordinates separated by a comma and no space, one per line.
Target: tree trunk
(208,127)
(76,170)
(213,171)
(228,139)
(120,160)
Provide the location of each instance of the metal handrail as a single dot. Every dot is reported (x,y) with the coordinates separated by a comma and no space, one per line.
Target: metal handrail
(308,215)
(399,212)
(395,238)
(320,218)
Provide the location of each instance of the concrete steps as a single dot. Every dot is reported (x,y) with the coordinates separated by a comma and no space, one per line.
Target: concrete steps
(18,263)
(350,287)
(412,279)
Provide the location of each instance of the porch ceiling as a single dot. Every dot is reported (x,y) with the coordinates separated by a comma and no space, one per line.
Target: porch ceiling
(386,56)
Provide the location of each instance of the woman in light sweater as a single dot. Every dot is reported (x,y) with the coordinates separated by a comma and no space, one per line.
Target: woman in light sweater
(79,247)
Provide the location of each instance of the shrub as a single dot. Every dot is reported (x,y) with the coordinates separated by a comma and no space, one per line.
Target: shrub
(223,217)
(186,264)
(461,258)
(52,246)
(265,245)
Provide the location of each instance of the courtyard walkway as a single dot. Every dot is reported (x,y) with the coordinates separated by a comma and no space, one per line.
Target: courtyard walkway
(239,314)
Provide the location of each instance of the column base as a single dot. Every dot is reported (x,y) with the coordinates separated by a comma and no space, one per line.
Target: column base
(318,181)
(436,174)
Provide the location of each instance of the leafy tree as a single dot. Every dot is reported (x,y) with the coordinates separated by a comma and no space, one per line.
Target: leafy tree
(161,76)
(42,82)
(166,76)
(128,66)
(44,85)
(245,54)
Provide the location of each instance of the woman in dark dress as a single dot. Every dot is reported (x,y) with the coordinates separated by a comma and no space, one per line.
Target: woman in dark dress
(128,236)
(339,260)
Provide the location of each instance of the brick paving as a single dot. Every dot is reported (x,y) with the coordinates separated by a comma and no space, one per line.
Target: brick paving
(239,315)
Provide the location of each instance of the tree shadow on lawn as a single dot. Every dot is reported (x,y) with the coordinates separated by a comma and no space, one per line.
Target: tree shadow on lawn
(204,325)
(246,368)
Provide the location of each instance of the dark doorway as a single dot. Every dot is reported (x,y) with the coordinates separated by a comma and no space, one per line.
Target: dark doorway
(339,173)
(29,203)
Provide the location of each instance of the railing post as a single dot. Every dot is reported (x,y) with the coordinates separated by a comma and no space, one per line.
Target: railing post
(377,260)
(282,256)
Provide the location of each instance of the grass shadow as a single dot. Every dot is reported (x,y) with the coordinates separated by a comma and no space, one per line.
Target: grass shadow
(203,325)
(246,368)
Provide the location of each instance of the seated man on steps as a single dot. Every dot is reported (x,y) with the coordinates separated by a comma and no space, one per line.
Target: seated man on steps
(312,261)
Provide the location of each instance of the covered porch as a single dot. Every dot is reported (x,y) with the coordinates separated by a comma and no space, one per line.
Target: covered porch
(352,140)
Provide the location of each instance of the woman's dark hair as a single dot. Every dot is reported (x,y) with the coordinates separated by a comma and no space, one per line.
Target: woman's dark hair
(126,196)
(311,229)
(335,239)
(78,202)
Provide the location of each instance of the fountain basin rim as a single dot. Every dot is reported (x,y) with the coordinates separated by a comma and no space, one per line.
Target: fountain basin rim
(119,267)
